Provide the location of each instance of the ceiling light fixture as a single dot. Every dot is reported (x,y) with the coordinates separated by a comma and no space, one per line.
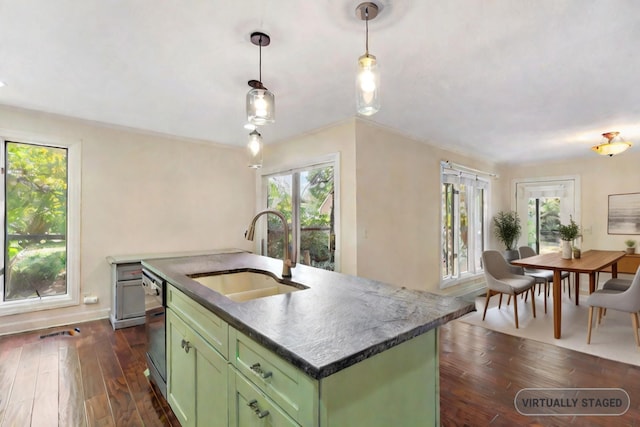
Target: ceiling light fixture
(255,149)
(614,145)
(368,78)
(261,105)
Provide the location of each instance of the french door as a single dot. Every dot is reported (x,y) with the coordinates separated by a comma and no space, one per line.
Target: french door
(544,204)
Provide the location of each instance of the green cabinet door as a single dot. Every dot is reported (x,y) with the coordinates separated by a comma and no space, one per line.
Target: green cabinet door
(181,364)
(197,381)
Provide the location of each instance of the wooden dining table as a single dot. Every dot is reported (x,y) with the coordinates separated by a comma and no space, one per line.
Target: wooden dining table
(589,263)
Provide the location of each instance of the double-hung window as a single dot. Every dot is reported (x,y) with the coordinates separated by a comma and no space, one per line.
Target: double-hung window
(307,197)
(40,188)
(464,223)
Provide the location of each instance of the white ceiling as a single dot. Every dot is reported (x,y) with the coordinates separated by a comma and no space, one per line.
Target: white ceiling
(508,80)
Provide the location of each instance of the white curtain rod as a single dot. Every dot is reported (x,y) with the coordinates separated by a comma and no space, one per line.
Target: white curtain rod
(462,168)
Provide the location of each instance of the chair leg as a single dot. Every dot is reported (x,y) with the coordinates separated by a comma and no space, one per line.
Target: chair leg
(589,326)
(486,304)
(634,320)
(600,313)
(533,303)
(500,301)
(515,309)
(546,286)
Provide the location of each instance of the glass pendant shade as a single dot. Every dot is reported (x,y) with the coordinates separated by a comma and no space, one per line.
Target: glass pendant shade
(261,106)
(367,85)
(255,150)
(614,145)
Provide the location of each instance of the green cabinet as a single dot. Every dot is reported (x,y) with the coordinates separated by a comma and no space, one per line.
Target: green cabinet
(249,406)
(197,374)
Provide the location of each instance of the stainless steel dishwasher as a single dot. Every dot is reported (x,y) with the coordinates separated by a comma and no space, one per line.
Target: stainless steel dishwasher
(155,328)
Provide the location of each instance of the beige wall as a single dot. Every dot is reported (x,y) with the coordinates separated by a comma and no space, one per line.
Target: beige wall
(141,193)
(398,199)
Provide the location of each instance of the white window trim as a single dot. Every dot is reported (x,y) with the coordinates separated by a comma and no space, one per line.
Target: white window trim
(261,194)
(545,182)
(74,152)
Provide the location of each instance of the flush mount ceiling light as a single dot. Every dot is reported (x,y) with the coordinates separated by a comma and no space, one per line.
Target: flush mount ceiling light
(261,107)
(614,145)
(368,78)
(255,149)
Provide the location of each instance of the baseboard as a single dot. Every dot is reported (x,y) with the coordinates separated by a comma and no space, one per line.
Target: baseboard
(45,319)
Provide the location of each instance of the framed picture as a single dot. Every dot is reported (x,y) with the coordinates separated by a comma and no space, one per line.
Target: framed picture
(624,214)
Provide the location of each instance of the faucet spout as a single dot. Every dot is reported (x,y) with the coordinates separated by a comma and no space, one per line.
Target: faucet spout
(289,257)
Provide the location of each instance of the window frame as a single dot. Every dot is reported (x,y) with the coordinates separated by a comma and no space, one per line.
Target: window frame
(74,156)
(333,160)
(468,175)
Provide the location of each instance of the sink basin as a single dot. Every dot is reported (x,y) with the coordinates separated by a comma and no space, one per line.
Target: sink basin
(245,285)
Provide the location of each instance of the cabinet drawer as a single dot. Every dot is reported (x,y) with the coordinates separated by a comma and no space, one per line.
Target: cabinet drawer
(131,271)
(286,385)
(249,406)
(213,329)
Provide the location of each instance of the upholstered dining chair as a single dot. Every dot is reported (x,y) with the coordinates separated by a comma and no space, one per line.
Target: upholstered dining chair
(611,299)
(526,252)
(501,280)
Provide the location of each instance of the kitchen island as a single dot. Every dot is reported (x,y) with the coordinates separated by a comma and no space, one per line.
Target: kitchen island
(343,351)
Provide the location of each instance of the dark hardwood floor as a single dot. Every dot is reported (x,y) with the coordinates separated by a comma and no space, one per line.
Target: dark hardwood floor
(96,378)
(93,378)
(481,371)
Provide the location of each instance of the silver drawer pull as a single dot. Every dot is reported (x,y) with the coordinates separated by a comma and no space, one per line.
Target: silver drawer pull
(186,346)
(253,404)
(258,370)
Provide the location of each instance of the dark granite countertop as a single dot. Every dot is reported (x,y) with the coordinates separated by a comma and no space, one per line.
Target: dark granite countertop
(337,322)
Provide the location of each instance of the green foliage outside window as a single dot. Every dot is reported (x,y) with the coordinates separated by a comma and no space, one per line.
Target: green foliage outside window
(36,220)
(315,212)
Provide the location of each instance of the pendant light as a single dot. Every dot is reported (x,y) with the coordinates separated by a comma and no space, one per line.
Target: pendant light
(368,78)
(261,105)
(255,149)
(614,145)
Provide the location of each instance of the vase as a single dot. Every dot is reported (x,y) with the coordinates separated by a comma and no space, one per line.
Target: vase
(566,249)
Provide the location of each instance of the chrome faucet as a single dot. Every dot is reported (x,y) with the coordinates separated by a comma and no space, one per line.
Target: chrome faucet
(289,258)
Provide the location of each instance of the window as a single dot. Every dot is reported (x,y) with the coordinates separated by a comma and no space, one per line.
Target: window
(39,226)
(545,203)
(464,223)
(307,198)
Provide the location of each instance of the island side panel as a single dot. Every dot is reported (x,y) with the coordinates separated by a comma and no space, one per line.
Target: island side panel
(399,386)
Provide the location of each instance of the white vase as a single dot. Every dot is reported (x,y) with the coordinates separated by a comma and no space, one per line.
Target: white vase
(566,249)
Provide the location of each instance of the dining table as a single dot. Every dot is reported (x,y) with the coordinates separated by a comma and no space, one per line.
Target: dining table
(590,262)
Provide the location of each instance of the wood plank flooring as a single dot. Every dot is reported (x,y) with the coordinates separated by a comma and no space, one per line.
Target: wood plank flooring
(481,371)
(93,378)
(96,378)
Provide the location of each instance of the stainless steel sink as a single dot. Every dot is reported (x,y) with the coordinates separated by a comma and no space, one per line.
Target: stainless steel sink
(246,285)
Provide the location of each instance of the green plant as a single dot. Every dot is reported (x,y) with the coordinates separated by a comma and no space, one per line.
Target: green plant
(507,228)
(569,232)
(630,243)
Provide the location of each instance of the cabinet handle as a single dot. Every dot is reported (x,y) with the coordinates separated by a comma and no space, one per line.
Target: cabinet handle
(185,345)
(258,370)
(253,404)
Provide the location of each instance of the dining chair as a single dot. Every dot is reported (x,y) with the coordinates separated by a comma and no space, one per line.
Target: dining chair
(501,280)
(617,284)
(526,252)
(611,299)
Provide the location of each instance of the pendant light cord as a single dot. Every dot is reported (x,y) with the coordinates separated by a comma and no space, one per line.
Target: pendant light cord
(260,61)
(366,25)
